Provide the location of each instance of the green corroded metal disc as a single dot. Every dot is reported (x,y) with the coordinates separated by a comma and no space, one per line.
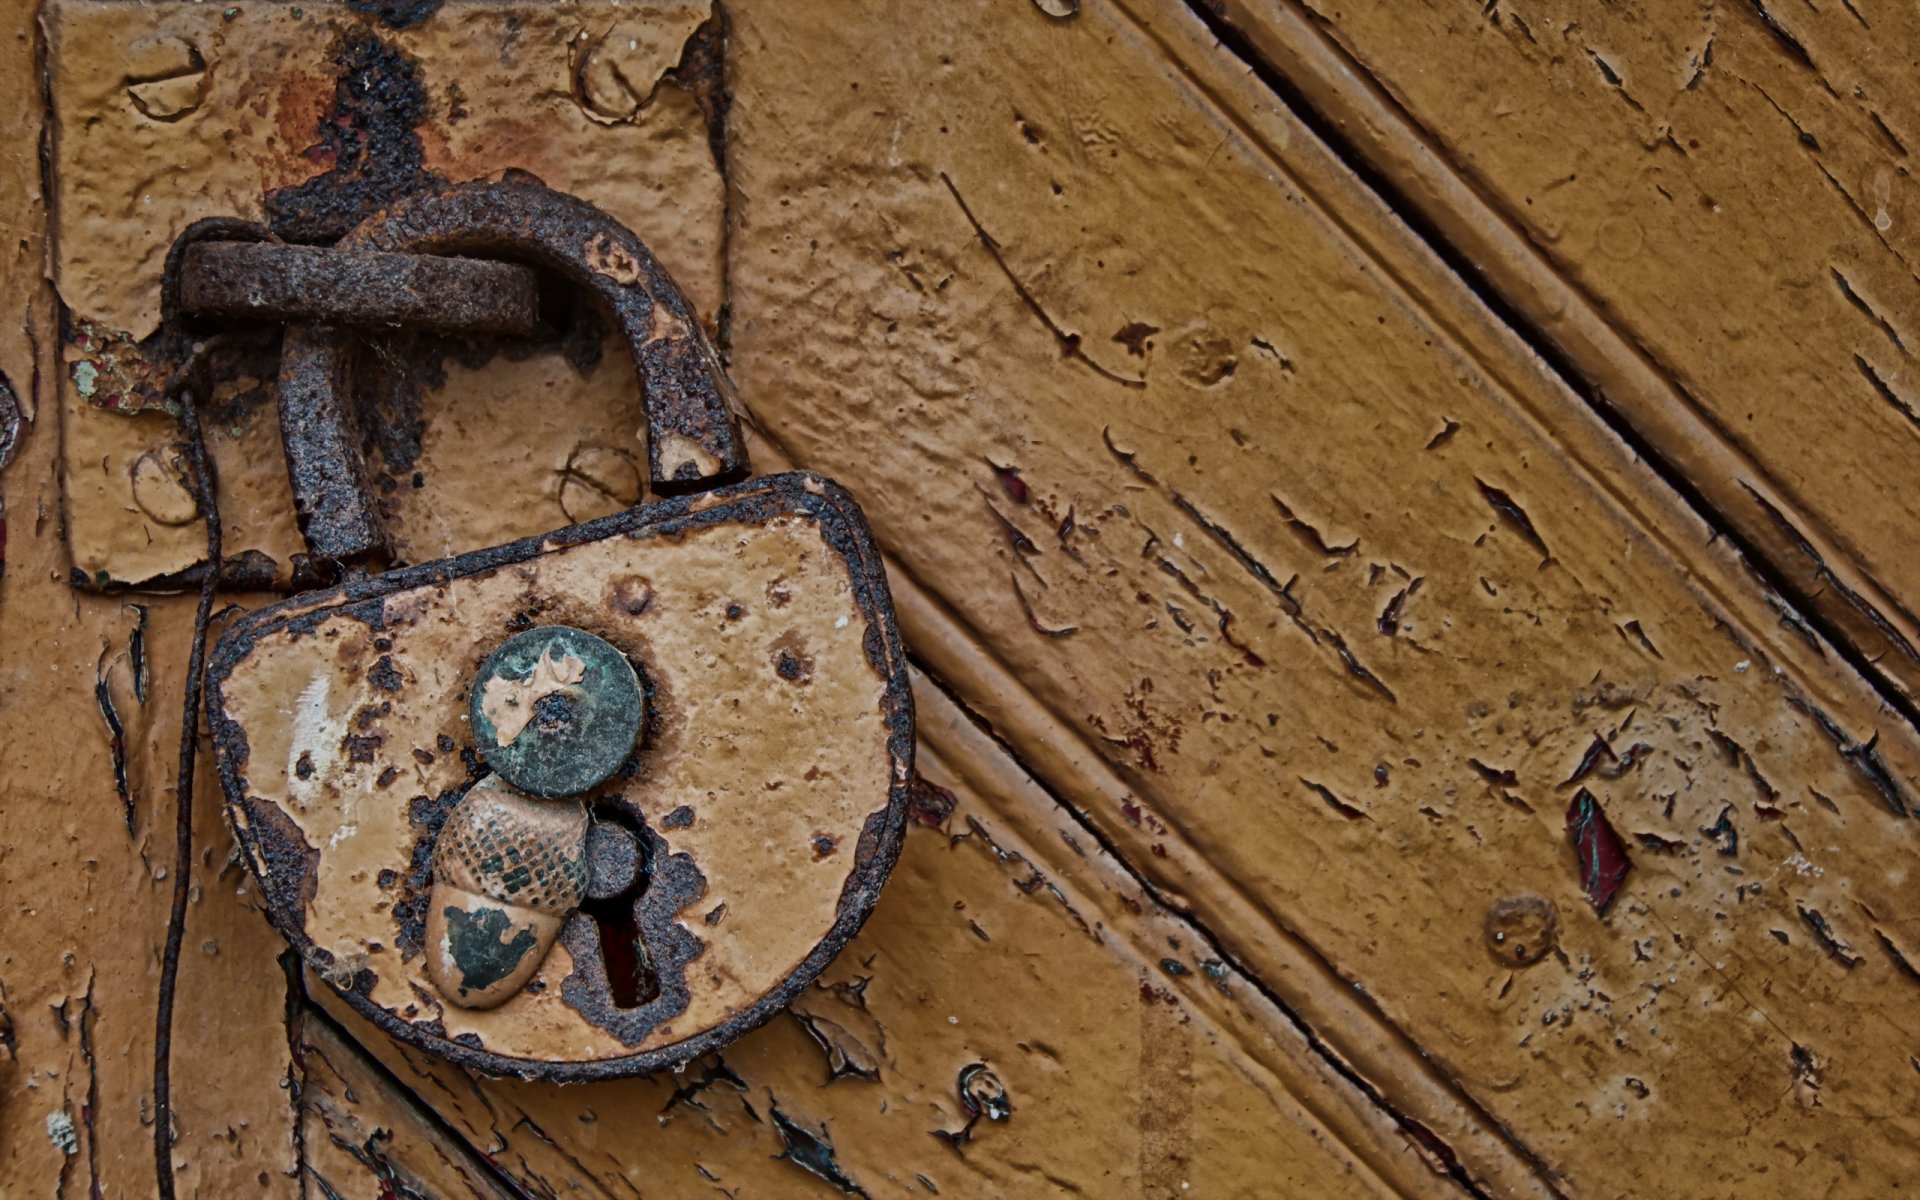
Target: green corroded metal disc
(556,710)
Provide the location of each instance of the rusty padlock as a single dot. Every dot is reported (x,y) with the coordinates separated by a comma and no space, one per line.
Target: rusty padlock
(586,804)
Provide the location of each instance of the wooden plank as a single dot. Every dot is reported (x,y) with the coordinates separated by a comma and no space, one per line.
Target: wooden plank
(362,1136)
(1182,1071)
(888,275)
(87,864)
(1312,589)
(86,861)
(1717,252)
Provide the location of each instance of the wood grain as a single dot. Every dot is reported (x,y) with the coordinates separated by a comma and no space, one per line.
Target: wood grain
(1700,211)
(1284,597)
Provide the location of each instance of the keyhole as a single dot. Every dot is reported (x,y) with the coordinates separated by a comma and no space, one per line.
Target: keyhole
(617,877)
(629,975)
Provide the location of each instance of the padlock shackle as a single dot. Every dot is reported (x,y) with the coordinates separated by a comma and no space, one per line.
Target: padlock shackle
(693,440)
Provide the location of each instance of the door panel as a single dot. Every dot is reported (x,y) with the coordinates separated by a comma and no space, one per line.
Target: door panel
(1291,633)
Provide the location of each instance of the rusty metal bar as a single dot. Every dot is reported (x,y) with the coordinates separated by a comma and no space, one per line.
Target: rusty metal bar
(693,440)
(332,494)
(273,282)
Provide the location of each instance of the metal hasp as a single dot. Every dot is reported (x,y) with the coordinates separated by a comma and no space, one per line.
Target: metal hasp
(768,800)
(693,441)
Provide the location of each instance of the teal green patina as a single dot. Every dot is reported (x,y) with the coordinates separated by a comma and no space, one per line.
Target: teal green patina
(556,710)
(475,942)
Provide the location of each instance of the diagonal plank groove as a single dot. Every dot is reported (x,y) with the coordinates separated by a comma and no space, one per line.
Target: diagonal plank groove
(1522,372)
(1208,810)
(959,743)
(1415,1131)
(1868,627)
(478,1161)
(1334,1015)
(356,1116)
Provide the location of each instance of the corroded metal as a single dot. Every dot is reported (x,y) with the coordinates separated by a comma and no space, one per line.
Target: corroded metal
(693,441)
(332,493)
(474,885)
(733,909)
(9,423)
(692,438)
(556,710)
(613,861)
(275,282)
(310,123)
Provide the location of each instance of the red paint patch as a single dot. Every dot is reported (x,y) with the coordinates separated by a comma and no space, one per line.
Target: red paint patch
(1009,478)
(1603,856)
(930,804)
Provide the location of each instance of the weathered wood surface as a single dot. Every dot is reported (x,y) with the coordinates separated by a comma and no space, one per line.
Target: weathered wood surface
(1269,597)
(1253,702)
(1705,211)
(360,1135)
(1034,952)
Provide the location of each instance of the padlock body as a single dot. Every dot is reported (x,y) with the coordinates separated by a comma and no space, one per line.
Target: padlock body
(768,791)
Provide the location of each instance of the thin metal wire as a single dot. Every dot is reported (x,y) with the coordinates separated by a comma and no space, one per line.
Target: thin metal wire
(184,387)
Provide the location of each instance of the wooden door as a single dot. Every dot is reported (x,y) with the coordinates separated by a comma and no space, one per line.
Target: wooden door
(1397,510)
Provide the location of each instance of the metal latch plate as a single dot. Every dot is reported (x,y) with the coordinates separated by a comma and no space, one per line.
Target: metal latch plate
(305,116)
